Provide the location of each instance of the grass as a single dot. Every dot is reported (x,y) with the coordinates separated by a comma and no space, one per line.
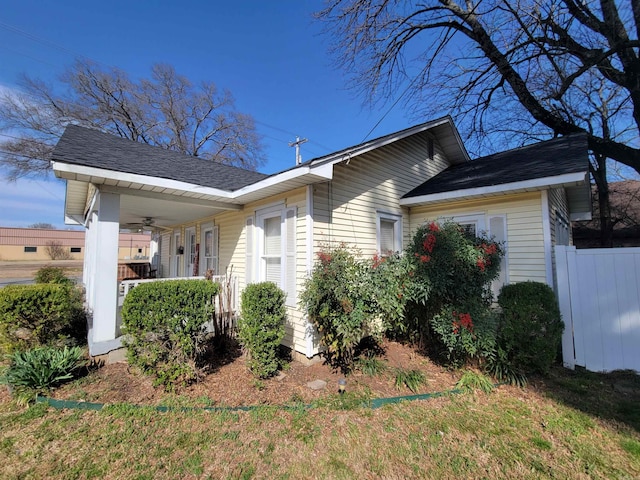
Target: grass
(571,425)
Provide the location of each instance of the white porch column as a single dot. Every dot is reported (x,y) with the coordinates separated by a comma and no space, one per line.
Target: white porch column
(104,283)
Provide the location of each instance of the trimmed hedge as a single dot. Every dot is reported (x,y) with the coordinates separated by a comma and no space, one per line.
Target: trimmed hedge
(41,314)
(261,326)
(531,326)
(165,327)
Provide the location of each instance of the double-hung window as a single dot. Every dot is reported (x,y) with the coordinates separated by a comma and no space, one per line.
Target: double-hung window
(271,249)
(389,233)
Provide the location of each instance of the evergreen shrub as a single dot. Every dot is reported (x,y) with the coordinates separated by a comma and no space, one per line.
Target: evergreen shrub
(165,328)
(40,314)
(261,326)
(530,329)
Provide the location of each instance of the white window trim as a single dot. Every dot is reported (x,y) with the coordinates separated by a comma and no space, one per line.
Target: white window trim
(479,219)
(186,265)
(397,229)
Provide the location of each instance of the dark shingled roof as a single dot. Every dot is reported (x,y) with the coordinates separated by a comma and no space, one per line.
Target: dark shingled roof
(559,156)
(92,148)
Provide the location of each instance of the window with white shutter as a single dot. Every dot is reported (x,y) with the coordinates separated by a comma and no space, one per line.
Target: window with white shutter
(276,249)
(389,233)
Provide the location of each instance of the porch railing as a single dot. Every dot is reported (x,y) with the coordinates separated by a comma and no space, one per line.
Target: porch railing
(229,291)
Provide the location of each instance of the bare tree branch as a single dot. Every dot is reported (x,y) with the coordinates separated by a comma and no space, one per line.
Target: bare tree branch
(165,110)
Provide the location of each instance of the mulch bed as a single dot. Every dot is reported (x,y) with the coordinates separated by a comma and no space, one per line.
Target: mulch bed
(231,384)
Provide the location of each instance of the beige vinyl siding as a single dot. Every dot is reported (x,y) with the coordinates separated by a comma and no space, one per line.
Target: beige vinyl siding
(345,210)
(525,241)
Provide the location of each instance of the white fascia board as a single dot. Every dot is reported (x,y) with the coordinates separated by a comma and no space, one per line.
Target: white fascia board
(73,220)
(69,171)
(534,184)
(323,172)
(367,147)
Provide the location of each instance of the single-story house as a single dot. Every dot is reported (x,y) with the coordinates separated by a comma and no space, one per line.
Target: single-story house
(269,227)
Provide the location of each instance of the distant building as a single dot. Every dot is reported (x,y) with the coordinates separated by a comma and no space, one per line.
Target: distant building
(37,244)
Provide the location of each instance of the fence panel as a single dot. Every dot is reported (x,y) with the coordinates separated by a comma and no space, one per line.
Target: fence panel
(599,295)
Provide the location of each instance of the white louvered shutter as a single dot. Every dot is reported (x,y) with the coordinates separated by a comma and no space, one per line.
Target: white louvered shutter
(249,247)
(498,230)
(289,285)
(272,257)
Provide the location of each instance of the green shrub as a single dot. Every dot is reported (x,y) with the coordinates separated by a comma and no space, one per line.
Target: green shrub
(41,314)
(261,326)
(165,327)
(37,370)
(338,300)
(51,274)
(530,329)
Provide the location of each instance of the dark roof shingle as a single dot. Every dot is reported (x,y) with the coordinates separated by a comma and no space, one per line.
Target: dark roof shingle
(93,148)
(551,158)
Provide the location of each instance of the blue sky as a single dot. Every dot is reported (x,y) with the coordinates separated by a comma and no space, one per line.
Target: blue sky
(269,54)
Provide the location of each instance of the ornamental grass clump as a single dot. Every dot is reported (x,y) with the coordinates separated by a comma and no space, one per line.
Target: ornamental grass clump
(38,370)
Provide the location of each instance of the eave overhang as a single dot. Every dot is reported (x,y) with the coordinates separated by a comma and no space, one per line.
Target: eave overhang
(576,183)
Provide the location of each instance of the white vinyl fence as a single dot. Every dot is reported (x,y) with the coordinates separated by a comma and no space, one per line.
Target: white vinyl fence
(599,295)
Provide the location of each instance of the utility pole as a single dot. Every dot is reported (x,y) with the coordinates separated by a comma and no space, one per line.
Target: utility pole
(297,144)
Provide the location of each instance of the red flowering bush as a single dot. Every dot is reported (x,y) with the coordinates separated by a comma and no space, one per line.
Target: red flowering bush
(458,269)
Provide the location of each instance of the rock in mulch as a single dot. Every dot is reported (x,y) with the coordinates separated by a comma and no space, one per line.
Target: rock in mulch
(317,385)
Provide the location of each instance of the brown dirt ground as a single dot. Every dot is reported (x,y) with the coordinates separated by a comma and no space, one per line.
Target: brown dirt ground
(28,269)
(231,384)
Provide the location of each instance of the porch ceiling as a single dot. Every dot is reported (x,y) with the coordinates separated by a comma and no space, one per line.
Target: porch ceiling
(165,213)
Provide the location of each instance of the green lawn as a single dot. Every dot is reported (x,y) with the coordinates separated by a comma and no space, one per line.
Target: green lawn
(567,426)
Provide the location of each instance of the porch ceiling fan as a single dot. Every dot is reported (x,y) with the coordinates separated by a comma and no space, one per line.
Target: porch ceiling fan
(147,223)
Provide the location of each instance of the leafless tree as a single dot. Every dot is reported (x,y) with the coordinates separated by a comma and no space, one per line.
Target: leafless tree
(42,225)
(165,110)
(56,251)
(509,70)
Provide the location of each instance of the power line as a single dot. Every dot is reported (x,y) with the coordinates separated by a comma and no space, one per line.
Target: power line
(44,41)
(391,108)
